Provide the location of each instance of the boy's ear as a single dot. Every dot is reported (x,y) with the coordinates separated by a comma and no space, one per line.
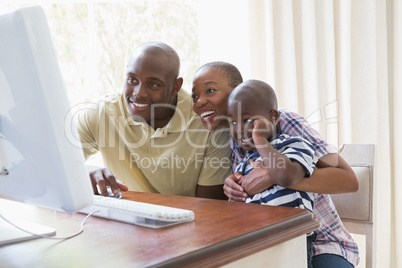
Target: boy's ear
(274,116)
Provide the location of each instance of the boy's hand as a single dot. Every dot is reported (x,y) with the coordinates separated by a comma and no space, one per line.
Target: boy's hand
(263,128)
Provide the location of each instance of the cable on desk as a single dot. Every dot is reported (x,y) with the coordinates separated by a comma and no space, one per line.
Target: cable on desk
(48,236)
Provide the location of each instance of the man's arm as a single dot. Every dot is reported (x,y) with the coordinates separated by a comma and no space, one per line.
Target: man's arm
(213,192)
(103,177)
(87,126)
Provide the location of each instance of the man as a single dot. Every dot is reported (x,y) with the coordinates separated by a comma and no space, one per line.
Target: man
(150,138)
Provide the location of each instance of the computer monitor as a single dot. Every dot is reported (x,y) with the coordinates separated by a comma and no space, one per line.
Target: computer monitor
(38,164)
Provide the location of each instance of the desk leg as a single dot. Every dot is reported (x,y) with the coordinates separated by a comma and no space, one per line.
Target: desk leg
(292,253)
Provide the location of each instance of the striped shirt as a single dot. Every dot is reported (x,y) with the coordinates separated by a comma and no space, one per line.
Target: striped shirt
(332,236)
(296,149)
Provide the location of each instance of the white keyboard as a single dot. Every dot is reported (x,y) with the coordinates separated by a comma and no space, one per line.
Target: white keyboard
(144,214)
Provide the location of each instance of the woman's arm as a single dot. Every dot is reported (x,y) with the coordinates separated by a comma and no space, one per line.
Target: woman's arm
(332,176)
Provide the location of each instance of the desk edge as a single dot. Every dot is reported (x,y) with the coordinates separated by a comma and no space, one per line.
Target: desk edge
(243,245)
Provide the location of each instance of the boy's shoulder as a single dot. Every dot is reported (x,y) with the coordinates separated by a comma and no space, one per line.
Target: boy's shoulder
(285,140)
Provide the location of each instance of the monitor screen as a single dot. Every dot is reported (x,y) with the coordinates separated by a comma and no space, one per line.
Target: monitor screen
(38,164)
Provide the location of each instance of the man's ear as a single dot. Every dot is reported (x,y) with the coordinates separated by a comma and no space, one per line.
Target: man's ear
(177,86)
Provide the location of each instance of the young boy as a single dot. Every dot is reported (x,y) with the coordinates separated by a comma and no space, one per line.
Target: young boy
(253,115)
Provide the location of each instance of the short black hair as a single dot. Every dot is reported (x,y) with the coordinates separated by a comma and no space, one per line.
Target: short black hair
(233,74)
(157,48)
(256,91)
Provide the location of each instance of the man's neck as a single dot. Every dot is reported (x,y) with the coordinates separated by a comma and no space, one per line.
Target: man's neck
(155,124)
(167,116)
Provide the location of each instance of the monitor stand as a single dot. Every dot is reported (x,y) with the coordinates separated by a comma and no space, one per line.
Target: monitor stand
(11,234)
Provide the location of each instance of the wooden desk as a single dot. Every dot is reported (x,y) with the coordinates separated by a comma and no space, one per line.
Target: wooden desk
(222,233)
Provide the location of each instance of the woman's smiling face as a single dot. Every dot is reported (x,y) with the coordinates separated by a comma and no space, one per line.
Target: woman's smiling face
(210,93)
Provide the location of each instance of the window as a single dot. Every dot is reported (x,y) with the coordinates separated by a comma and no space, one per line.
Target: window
(94,39)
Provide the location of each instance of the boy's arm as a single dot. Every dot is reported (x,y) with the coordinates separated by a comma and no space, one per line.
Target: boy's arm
(332,176)
(281,169)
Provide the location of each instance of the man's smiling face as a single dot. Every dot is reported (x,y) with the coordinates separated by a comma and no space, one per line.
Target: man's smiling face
(150,88)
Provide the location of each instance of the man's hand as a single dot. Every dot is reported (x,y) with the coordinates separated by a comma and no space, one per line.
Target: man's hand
(232,188)
(103,177)
(257,180)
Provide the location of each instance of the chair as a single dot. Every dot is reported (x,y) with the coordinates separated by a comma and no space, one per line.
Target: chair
(356,209)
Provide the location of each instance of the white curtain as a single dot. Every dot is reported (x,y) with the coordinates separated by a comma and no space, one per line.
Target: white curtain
(336,62)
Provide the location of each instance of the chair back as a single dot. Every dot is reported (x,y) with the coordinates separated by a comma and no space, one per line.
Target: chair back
(356,209)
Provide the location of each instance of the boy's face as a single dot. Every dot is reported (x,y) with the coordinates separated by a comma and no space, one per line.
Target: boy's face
(242,113)
(149,82)
(210,94)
